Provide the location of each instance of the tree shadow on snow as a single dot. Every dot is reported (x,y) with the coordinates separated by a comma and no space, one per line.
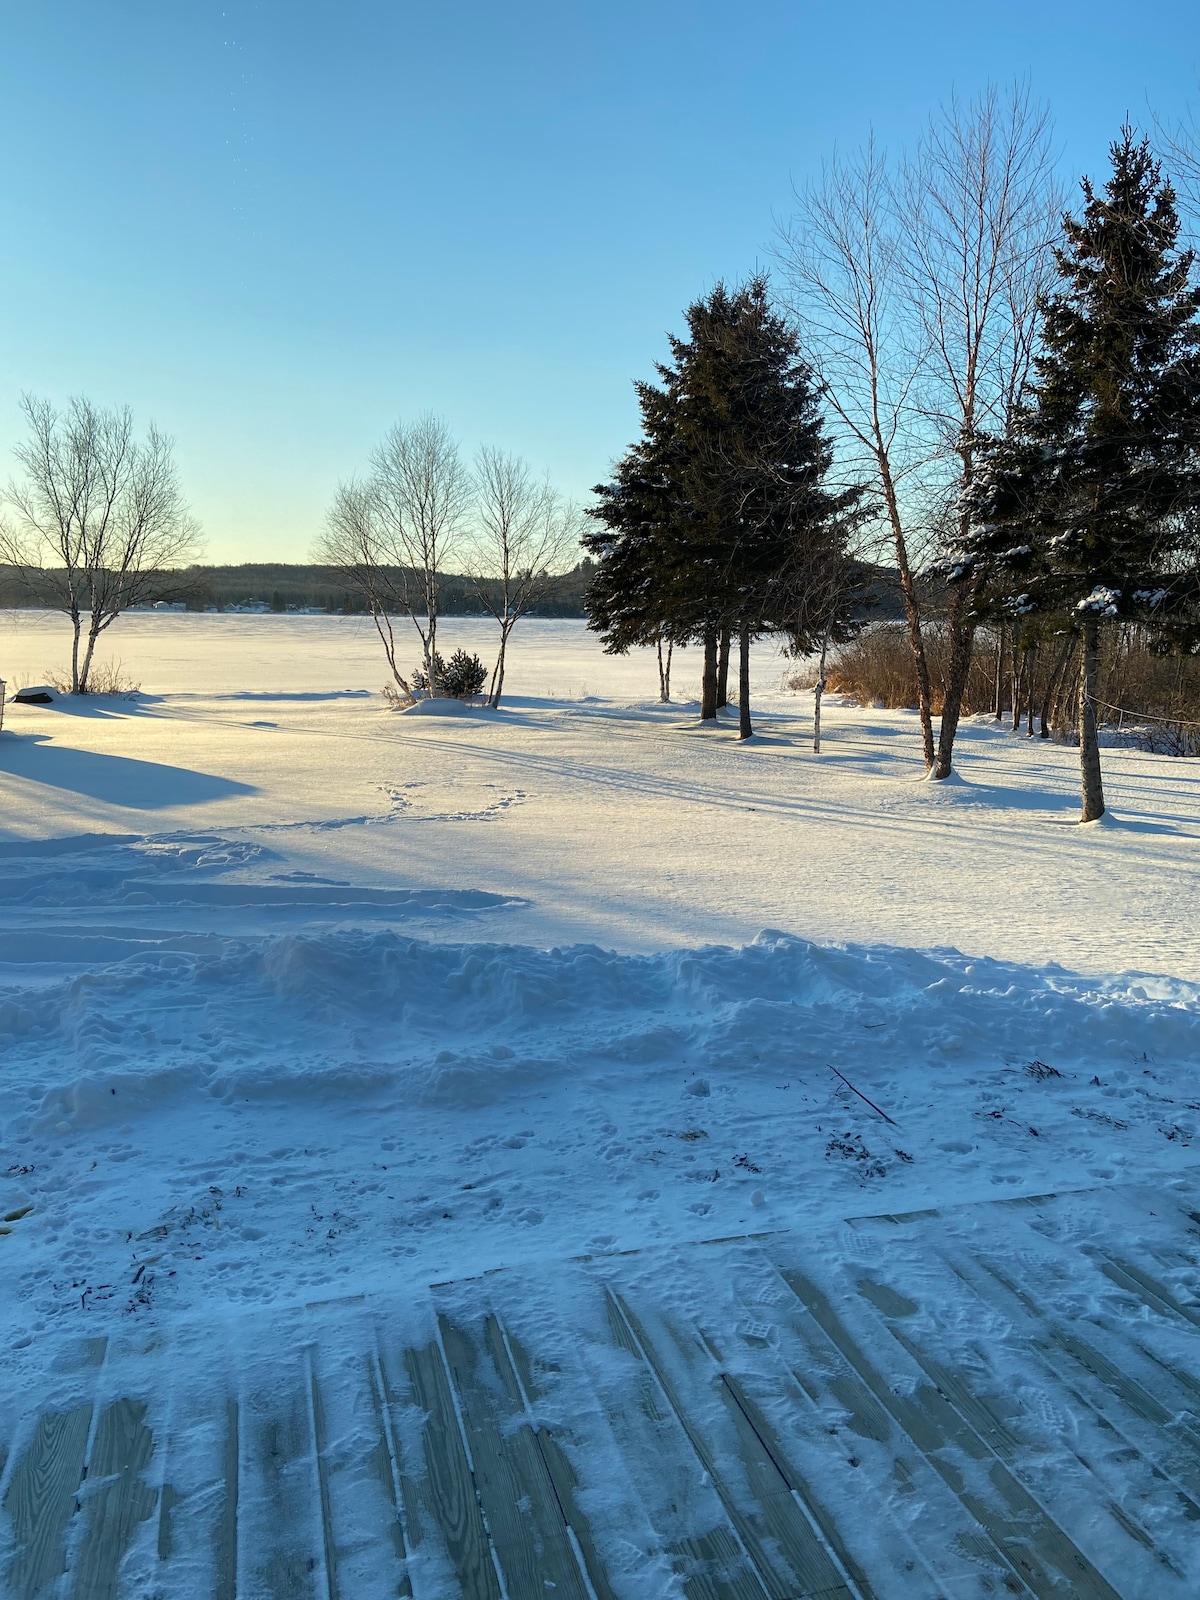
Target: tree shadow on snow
(113,780)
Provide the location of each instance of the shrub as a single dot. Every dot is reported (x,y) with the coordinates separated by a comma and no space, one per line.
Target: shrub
(460,678)
(1147,699)
(106,677)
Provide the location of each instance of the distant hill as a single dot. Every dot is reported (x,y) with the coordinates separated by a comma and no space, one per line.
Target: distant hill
(278,586)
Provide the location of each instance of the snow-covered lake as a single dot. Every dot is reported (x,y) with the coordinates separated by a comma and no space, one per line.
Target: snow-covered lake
(302,999)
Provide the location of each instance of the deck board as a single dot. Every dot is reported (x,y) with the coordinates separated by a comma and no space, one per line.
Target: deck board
(883,1423)
(1024,1535)
(523,1514)
(41,1498)
(788,1556)
(442,1497)
(118,1498)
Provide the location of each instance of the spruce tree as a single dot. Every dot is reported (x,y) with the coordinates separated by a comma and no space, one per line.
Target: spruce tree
(709,516)
(1087,510)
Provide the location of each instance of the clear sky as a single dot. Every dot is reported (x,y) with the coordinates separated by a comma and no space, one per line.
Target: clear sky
(277,227)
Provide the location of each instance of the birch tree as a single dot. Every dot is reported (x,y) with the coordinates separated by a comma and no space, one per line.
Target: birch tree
(393,532)
(843,258)
(98,522)
(982,207)
(525,535)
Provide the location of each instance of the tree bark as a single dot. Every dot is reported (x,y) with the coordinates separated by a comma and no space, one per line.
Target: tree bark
(708,682)
(498,674)
(818,692)
(999,695)
(85,671)
(1051,695)
(723,669)
(744,727)
(912,612)
(664,671)
(76,624)
(962,648)
(1089,744)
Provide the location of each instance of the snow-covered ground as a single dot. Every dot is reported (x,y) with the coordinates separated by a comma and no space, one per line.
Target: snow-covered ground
(301,998)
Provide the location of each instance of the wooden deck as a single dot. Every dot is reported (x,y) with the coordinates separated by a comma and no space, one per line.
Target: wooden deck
(923,1422)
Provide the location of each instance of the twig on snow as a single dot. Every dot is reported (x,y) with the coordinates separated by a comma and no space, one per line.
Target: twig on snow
(891,1123)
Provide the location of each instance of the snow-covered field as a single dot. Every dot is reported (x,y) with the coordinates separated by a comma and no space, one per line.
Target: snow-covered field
(302,999)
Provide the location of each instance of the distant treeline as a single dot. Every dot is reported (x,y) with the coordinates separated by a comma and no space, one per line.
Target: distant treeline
(280,586)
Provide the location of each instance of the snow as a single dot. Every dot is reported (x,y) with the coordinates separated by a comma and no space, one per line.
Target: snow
(301,998)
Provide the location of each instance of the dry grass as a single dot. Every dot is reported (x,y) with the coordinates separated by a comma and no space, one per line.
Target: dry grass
(106,677)
(1148,699)
(876,669)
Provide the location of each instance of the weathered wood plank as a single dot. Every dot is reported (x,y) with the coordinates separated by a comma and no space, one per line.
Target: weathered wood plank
(799,1488)
(1181,1443)
(524,1519)
(507,1357)
(321,1443)
(790,1558)
(168,1500)
(387,1460)
(446,1492)
(225,1544)
(1019,1529)
(118,1498)
(281,1456)
(1155,1294)
(714,1565)
(41,1498)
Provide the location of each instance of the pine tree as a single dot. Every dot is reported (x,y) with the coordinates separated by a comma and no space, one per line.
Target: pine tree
(1088,510)
(708,516)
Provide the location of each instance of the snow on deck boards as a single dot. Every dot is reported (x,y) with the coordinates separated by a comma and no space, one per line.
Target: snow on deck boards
(995,1399)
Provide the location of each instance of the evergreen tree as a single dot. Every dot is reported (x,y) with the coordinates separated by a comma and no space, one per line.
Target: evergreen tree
(1089,509)
(710,517)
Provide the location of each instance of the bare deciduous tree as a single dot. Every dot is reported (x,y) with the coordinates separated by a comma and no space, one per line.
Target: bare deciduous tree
(525,535)
(1180,143)
(982,208)
(843,259)
(99,521)
(393,533)
(352,541)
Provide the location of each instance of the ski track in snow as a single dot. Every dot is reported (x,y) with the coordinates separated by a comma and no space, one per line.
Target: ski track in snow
(283,1049)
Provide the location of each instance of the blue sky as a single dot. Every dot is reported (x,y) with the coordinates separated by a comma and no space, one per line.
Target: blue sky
(277,227)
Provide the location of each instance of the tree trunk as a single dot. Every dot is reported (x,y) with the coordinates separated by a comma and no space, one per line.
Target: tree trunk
(818,691)
(85,671)
(708,683)
(912,612)
(664,671)
(1051,694)
(962,648)
(1018,684)
(723,669)
(999,693)
(498,674)
(76,624)
(744,727)
(1089,744)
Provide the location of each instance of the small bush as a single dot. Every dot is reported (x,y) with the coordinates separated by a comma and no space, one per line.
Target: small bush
(396,697)
(106,677)
(1145,698)
(460,678)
